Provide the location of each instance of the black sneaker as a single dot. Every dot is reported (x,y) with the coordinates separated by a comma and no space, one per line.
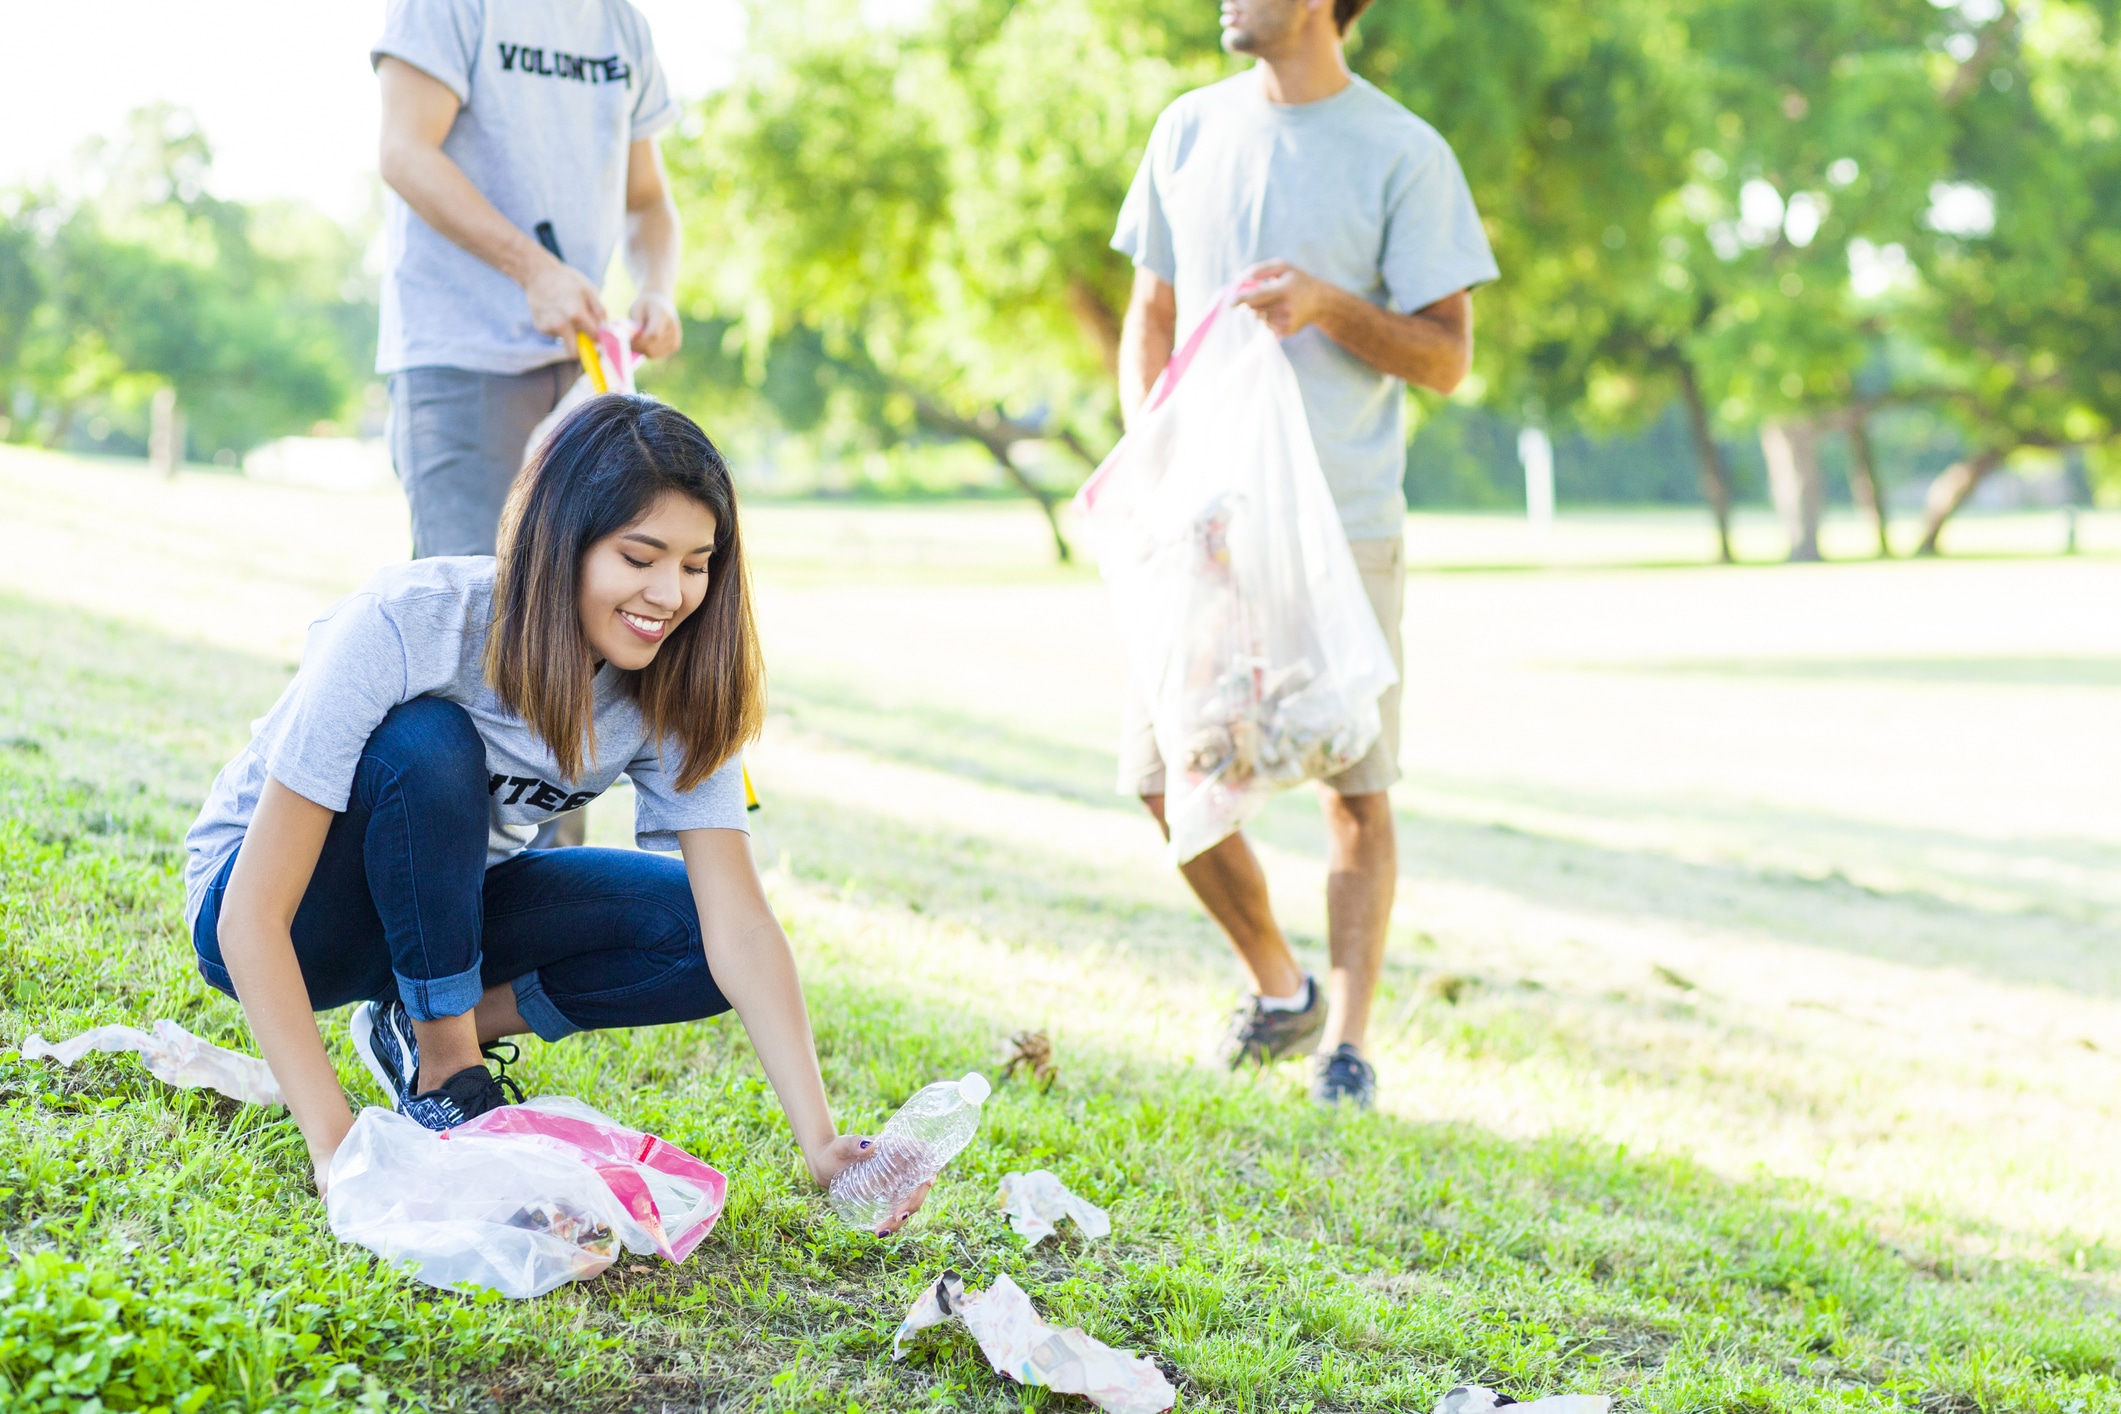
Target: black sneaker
(1344,1077)
(383,1038)
(1259,1035)
(466,1095)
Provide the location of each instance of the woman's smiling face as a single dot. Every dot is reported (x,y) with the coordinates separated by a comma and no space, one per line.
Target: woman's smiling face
(640,583)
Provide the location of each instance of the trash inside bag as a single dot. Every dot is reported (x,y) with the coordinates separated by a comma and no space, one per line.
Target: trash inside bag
(173,1056)
(1019,1344)
(1248,634)
(1037,1201)
(522,1199)
(1479,1399)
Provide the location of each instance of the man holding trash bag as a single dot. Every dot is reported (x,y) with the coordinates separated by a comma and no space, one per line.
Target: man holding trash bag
(1353,222)
(499,116)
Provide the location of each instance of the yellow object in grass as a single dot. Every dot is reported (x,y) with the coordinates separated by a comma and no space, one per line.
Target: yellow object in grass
(751,792)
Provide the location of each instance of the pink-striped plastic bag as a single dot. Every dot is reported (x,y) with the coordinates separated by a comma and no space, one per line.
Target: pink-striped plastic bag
(522,1199)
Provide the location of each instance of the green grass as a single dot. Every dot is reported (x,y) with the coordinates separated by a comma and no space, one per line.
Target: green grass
(163,1249)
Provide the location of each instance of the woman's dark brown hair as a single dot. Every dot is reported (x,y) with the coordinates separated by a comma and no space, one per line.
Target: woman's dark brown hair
(598,473)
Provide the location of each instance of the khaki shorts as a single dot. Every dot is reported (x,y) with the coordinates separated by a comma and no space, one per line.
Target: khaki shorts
(1383,564)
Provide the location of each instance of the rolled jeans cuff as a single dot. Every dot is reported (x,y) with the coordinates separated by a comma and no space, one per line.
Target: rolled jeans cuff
(432,998)
(536,1008)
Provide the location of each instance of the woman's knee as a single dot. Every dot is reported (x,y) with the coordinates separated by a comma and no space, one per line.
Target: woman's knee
(666,917)
(430,748)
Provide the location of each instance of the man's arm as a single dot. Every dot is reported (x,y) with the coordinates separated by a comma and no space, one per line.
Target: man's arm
(652,246)
(417,112)
(1430,348)
(1145,340)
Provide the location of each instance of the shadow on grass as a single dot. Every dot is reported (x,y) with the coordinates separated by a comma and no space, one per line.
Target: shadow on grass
(124,705)
(2058,937)
(1910,925)
(964,744)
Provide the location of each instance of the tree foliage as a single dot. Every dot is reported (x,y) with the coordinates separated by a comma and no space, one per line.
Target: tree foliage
(915,222)
(1733,206)
(254,316)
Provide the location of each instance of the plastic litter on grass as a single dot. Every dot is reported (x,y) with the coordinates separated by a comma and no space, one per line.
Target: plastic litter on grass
(173,1056)
(1019,1343)
(521,1200)
(1037,1201)
(1479,1399)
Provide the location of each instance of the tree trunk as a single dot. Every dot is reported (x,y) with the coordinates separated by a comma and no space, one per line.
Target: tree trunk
(1863,479)
(1949,492)
(1047,501)
(1715,478)
(1968,76)
(165,433)
(1097,321)
(55,432)
(1792,451)
(998,433)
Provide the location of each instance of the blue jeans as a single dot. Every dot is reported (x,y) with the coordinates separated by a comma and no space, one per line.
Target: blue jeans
(402,903)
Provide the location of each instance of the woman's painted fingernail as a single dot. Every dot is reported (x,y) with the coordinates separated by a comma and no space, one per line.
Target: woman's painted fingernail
(865,1143)
(883,1232)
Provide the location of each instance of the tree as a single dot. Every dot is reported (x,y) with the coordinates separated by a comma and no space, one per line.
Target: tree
(252,316)
(1741,207)
(2020,267)
(927,211)
(1795,132)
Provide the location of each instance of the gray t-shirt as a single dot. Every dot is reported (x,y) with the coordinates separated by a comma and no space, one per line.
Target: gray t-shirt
(1353,189)
(419,630)
(554,92)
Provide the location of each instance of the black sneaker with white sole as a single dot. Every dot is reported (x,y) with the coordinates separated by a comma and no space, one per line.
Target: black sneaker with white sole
(466,1095)
(1259,1033)
(1344,1077)
(383,1038)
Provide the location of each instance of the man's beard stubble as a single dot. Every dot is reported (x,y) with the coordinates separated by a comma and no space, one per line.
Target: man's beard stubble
(1266,24)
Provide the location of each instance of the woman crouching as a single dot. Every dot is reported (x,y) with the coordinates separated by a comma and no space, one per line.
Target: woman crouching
(369,844)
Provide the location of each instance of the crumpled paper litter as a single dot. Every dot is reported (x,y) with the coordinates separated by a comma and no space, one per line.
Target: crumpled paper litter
(173,1056)
(1479,1399)
(1019,1344)
(1037,1201)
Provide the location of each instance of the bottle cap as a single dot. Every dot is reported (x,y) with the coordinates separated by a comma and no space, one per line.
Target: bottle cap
(974,1088)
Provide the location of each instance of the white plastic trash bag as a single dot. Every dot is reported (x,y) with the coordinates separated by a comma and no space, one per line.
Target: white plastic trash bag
(522,1199)
(1479,1399)
(1018,1343)
(1248,633)
(1038,1200)
(173,1056)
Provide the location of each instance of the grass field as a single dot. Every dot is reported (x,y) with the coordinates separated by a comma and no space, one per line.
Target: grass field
(1751,1037)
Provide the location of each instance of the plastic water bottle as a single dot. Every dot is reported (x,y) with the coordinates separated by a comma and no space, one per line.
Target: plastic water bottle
(926,1133)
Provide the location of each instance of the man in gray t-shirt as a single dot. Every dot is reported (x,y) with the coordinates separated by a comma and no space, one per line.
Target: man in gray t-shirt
(500,115)
(1353,215)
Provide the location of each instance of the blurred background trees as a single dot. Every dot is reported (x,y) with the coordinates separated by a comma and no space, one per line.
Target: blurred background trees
(1788,249)
(260,320)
